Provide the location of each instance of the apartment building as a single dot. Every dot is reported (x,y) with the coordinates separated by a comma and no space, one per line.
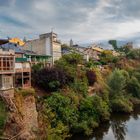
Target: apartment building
(46,45)
(15,69)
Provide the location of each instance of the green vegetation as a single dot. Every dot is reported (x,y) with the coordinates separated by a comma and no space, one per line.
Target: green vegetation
(108,57)
(25,92)
(3,115)
(114,44)
(82,95)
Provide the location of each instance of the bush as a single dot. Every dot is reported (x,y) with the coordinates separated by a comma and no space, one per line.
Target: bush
(134,54)
(120,104)
(64,108)
(3,115)
(73,58)
(117,83)
(51,79)
(91,76)
(26,92)
(133,87)
(92,111)
(52,127)
(80,87)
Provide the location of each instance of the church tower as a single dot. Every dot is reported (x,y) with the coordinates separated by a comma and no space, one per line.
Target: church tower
(71,43)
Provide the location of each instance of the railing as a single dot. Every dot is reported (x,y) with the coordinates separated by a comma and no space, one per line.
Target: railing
(22,70)
(21,59)
(7,71)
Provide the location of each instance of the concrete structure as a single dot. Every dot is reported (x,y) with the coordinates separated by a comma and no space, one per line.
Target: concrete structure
(35,58)
(22,74)
(47,44)
(7,69)
(78,48)
(26,55)
(15,70)
(93,53)
(71,43)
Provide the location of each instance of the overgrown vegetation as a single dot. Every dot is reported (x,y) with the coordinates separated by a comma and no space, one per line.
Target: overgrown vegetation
(72,107)
(3,116)
(25,92)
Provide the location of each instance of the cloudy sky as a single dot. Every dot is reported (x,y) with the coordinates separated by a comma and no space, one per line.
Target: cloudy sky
(82,20)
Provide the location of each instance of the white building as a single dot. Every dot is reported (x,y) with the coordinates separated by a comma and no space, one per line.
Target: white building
(46,44)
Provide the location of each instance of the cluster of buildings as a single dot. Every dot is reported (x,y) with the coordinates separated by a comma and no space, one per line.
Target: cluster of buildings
(92,52)
(17,57)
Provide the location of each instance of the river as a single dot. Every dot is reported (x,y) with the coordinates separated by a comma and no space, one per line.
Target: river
(120,127)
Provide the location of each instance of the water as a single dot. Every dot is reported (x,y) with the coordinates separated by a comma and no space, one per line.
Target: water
(120,127)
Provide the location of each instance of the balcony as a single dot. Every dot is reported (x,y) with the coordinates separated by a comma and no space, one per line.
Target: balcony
(10,71)
(21,59)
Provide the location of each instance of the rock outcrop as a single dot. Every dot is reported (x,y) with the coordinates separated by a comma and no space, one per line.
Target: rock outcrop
(22,121)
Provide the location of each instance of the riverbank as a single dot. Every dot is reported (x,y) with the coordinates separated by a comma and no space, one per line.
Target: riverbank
(82,96)
(121,126)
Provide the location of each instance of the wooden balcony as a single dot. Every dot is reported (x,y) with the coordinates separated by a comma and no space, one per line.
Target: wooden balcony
(12,71)
(19,70)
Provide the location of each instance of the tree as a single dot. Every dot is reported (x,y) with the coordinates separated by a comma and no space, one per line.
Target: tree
(117,88)
(91,76)
(133,87)
(108,57)
(133,54)
(3,115)
(127,47)
(51,79)
(114,44)
(65,109)
(117,83)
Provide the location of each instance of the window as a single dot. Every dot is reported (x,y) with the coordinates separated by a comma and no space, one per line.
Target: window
(7,82)
(6,63)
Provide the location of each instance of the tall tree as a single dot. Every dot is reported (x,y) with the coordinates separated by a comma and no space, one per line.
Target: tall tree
(114,44)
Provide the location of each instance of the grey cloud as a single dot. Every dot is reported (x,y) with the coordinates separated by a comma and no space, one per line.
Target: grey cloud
(6,3)
(123,10)
(79,19)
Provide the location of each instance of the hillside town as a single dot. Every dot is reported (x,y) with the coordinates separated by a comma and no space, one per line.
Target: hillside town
(53,90)
(69,70)
(17,57)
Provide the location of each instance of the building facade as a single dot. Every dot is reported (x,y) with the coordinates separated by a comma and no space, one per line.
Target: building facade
(7,69)
(93,53)
(22,75)
(47,44)
(15,69)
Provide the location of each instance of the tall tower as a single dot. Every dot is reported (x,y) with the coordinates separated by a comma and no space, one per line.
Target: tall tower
(71,43)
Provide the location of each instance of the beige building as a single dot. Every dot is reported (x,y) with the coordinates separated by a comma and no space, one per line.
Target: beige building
(46,44)
(7,69)
(15,72)
(93,53)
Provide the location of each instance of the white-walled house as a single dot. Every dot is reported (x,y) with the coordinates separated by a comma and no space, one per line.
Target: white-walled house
(46,44)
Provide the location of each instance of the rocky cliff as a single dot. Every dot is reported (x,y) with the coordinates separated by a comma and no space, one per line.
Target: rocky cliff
(22,120)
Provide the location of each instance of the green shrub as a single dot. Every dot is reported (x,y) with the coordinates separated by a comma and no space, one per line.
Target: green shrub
(3,115)
(92,111)
(25,92)
(80,87)
(121,104)
(134,54)
(133,87)
(91,76)
(117,83)
(60,132)
(51,79)
(64,108)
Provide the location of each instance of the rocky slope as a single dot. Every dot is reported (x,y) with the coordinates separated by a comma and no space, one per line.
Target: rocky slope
(22,121)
